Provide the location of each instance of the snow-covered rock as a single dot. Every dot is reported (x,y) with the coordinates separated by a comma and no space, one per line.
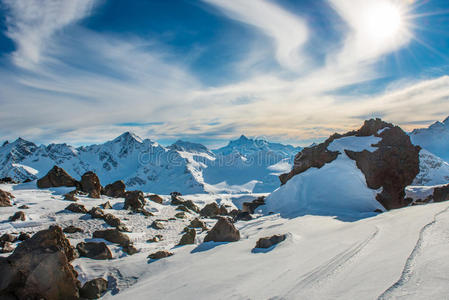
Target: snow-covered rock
(432,170)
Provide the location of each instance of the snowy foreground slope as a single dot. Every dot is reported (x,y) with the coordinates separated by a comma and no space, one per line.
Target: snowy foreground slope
(397,254)
(244,165)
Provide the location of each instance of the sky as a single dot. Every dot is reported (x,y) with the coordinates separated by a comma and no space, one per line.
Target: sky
(292,71)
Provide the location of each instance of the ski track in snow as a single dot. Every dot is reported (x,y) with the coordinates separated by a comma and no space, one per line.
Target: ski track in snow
(318,276)
(411,271)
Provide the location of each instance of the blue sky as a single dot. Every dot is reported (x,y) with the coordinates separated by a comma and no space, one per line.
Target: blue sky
(210,70)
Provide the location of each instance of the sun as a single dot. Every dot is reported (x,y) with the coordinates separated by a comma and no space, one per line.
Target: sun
(383,21)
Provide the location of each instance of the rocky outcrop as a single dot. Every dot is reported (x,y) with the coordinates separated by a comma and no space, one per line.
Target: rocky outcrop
(441,193)
(267,242)
(72,229)
(93,250)
(8,180)
(160,254)
(134,200)
(56,177)
(113,236)
(188,237)
(18,216)
(39,268)
(210,210)
(5,198)
(76,208)
(223,231)
(392,167)
(250,207)
(90,184)
(94,288)
(115,190)
(156,198)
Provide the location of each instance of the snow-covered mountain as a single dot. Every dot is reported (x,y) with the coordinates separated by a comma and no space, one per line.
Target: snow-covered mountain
(245,165)
(435,138)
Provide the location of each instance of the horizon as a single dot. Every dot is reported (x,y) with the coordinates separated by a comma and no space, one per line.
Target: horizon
(207,71)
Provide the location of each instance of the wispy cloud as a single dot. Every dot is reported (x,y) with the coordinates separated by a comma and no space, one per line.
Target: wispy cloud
(31,24)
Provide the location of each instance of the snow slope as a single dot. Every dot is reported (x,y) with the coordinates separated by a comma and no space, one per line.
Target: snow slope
(243,166)
(338,186)
(397,254)
(435,138)
(432,170)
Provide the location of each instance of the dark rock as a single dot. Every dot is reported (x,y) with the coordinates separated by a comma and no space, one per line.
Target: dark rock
(182,208)
(210,210)
(441,193)
(251,206)
(5,198)
(190,205)
(157,225)
(181,215)
(106,205)
(176,198)
(7,237)
(71,196)
(90,184)
(7,180)
(267,242)
(23,207)
(20,215)
(39,268)
(155,239)
(134,200)
(94,289)
(93,250)
(130,249)
(72,229)
(113,236)
(392,167)
(160,254)
(243,216)
(188,238)
(197,223)
(76,208)
(96,213)
(23,236)
(7,247)
(223,211)
(156,198)
(115,190)
(223,231)
(56,177)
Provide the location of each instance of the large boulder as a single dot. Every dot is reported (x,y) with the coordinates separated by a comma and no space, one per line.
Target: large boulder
(94,288)
(250,207)
(441,193)
(39,268)
(90,184)
(210,210)
(115,190)
(94,250)
(134,200)
(188,237)
(197,223)
(113,236)
(223,231)
(5,198)
(56,177)
(76,208)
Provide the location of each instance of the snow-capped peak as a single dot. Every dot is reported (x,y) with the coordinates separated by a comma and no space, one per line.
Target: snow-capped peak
(128,137)
(446,121)
(189,147)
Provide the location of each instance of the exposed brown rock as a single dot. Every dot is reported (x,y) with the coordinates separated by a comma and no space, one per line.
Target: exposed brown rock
(7,247)
(130,249)
(20,215)
(197,223)
(250,207)
(94,289)
(156,198)
(47,252)
(96,213)
(71,196)
(23,207)
(188,237)
(23,236)
(72,229)
(106,205)
(441,193)
(160,254)
(181,215)
(93,250)
(393,166)
(115,190)
(90,184)
(76,208)
(113,236)
(157,225)
(223,231)
(7,237)
(134,200)
(267,242)
(176,198)
(210,210)
(56,177)
(5,198)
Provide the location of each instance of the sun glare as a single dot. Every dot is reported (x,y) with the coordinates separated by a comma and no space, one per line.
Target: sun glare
(383,21)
